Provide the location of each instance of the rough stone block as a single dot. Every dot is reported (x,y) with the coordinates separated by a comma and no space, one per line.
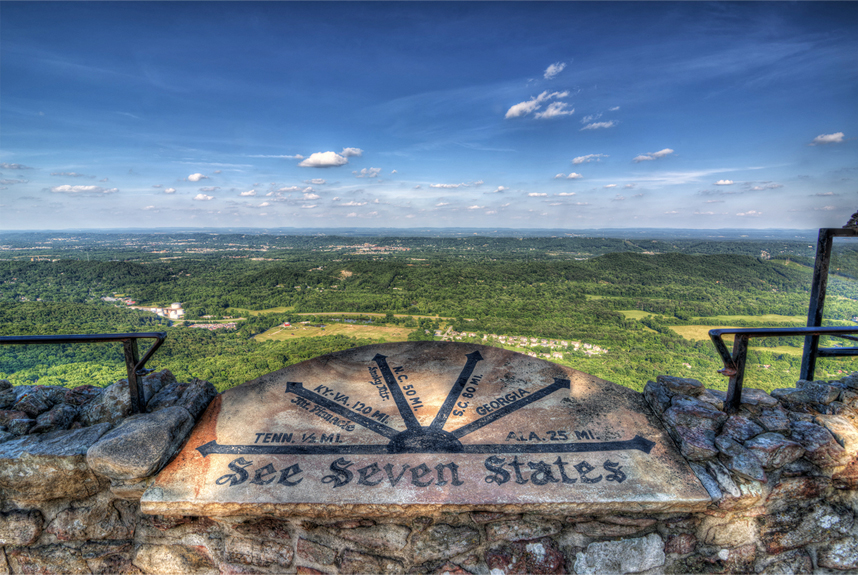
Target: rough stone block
(695,443)
(821,448)
(532,528)
(796,527)
(773,450)
(384,537)
(20,527)
(683,385)
(443,542)
(98,521)
(740,428)
(626,556)
(81,395)
(739,460)
(50,466)
(774,419)
(109,557)
(315,552)
(709,484)
(713,397)
(526,557)
(842,430)
(259,553)
(689,412)
(33,403)
(47,559)
(6,435)
(841,554)
(9,415)
(141,445)
(796,562)
(788,491)
(727,532)
(724,478)
(354,563)
(681,544)
(194,396)
(819,391)
(602,529)
(174,559)
(486,517)
(657,397)
(111,406)
(57,418)
(757,398)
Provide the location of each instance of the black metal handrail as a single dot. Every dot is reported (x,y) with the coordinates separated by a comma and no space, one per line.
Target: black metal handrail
(734,364)
(134,365)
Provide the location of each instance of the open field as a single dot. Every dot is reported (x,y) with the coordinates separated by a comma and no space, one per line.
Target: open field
(767,318)
(329,313)
(362,331)
(635,313)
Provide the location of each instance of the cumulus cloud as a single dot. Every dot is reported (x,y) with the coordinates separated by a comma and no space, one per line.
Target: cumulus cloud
(210,189)
(170,191)
(393,171)
(558,176)
(289,189)
(525,108)
(554,110)
(367,173)
(316,182)
(324,160)
(599,125)
(588,158)
(248,193)
(264,205)
(554,69)
(478,183)
(498,190)
(537,195)
(203,198)
(564,194)
(353,203)
(6,166)
(311,196)
(835,138)
(652,155)
(349,152)
(448,186)
(197,177)
(825,194)
(611,186)
(724,183)
(66,189)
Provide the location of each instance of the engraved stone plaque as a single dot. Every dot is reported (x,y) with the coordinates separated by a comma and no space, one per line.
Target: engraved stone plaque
(421,426)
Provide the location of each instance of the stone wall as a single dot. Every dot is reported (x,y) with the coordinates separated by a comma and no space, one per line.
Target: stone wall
(782,474)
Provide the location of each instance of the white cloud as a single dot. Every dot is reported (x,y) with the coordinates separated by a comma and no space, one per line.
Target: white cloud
(475,207)
(618,198)
(478,183)
(554,69)
(766,186)
(537,195)
(628,186)
(248,193)
(566,194)
(170,191)
(590,118)
(289,189)
(724,183)
(7,182)
(295,157)
(354,203)
(217,171)
(599,125)
(752,213)
(611,186)
(441,204)
(393,171)
(349,152)
(104,180)
(312,196)
(652,155)
(197,177)
(367,173)
(835,138)
(418,187)
(71,175)
(7,166)
(149,208)
(823,194)
(210,189)
(448,186)
(323,160)
(558,176)
(497,191)
(525,108)
(825,209)
(203,198)
(614,109)
(316,182)
(351,215)
(156,186)
(264,205)
(672,212)
(554,110)
(66,189)
(308,207)
(574,176)
(588,158)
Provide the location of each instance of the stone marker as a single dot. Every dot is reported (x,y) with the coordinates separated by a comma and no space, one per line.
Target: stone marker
(411,427)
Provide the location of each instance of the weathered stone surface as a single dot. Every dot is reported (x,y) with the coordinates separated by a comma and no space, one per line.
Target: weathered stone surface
(141,445)
(33,403)
(81,395)
(443,542)
(51,465)
(46,560)
(6,435)
(111,406)
(657,397)
(695,443)
(20,527)
(450,569)
(109,557)
(820,446)
(8,397)
(842,430)
(526,557)
(681,544)
(9,415)
(725,480)
(405,459)
(638,521)
(740,428)
(812,393)
(57,418)
(709,483)
(796,562)
(773,450)
(819,391)
(5,384)
(727,532)
(485,517)
(774,419)
(683,385)
(787,491)
(688,412)
(796,527)
(194,396)
(713,397)
(4,565)
(315,552)
(267,527)
(757,398)
(98,521)
(259,553)
(354,563)
(20,426)
(532,528)
(384,538)
(602,529)
(178,559)
(841,554)
(739,460)
(626,556)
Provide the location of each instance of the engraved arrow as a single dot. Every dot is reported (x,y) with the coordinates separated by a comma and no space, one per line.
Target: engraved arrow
(401,403)
(511,407)
(443,413)
(298,389)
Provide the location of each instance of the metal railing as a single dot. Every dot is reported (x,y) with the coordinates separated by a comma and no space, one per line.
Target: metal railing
(734,364)
(133,363)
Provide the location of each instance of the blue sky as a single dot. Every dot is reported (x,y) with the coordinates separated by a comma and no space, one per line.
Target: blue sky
(522,115)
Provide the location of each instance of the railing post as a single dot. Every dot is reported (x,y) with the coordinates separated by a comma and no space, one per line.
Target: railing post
(135,387)
(734,389)
(817,301)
